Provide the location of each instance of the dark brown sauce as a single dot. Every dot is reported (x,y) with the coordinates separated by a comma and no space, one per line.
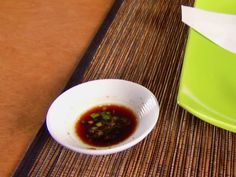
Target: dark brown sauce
(106,125)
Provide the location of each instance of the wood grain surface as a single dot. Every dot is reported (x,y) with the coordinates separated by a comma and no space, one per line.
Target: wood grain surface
(144,43)
(40,45)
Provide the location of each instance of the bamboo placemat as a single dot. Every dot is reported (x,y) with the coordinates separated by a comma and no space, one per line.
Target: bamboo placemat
(141,41)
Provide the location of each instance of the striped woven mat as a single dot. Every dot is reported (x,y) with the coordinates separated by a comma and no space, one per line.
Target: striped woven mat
(142,41)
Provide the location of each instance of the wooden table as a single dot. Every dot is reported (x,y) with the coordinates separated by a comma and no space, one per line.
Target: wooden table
(41,43)
(141,41)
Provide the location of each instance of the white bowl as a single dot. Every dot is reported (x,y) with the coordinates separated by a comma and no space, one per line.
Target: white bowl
(67,108)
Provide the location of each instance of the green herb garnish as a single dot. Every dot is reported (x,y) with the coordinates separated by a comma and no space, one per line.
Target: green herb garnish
(99,124)
(94,115)
(105,115)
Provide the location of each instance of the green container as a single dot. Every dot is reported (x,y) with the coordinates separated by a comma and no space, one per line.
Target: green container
(208,79)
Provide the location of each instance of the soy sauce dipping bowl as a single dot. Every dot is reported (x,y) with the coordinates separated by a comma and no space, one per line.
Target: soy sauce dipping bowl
(66,110)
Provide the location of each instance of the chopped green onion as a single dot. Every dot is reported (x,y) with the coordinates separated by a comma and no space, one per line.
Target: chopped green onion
(94,115)
(94,128)
(105,116)
(99,124)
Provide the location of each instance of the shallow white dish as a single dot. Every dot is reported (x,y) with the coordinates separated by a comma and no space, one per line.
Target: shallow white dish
(67,108)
